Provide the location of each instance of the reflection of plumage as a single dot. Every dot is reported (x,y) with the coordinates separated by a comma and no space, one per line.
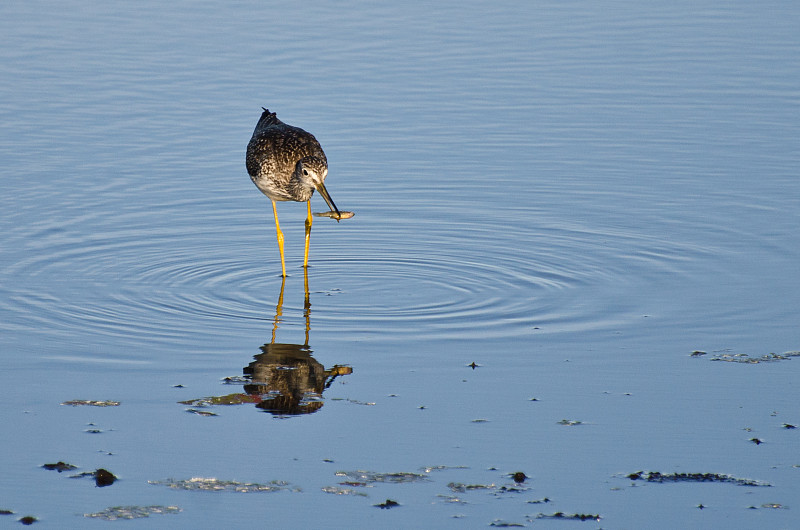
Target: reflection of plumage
(284,379)
(288,379)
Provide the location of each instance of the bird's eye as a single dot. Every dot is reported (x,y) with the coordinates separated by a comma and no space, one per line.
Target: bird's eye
(305,172)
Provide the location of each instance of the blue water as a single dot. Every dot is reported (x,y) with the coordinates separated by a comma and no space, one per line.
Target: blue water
(572,196)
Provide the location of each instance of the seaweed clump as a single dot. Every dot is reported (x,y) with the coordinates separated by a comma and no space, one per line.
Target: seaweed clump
(569,517)
(748,359)
(655,476)
(59,466)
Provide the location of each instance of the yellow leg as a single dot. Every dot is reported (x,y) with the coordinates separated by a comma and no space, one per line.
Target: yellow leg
(280,237)
(308,235)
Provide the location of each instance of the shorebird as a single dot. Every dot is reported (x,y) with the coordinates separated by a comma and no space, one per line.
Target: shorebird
(287,164)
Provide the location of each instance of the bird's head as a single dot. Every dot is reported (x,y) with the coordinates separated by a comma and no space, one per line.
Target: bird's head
(311,172)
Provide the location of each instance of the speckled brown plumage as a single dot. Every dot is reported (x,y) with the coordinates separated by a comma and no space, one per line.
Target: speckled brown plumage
(276,155)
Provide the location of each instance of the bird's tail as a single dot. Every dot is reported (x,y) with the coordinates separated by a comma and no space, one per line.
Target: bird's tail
(267,118)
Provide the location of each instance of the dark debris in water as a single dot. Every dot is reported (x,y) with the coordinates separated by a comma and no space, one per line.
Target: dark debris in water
(116,513)
(655,476)
(757,441)
(544,500)
(518,487)
(569,517)
(389,503)
(28,520)
(59,466)
(206,413)
(570,423)
(6,512)
(102,477)
(512,489)
(353,484)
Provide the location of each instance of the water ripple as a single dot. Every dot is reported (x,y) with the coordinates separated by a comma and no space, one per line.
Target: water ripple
(472,279)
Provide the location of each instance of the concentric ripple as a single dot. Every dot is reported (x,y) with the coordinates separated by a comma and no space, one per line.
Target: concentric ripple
(471,279)
(557,281)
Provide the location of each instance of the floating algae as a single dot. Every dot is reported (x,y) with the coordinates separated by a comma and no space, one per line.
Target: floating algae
(213,484)
(131,512)
(749,359)
(568,517)
(655,476)
(91,403)
(369,476)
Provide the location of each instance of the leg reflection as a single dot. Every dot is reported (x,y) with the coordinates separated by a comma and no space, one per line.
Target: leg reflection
(286,378)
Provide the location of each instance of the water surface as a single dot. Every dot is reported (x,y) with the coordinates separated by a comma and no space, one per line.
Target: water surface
(574,198)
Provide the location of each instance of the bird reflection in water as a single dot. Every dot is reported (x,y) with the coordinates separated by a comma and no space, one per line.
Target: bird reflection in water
(284,379)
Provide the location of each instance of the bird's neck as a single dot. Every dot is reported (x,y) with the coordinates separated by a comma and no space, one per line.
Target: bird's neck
(299,189)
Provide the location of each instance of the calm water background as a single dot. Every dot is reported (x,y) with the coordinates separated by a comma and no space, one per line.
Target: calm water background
(573,196)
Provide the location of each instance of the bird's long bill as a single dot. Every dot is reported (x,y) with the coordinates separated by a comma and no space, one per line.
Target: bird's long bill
(325,195)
